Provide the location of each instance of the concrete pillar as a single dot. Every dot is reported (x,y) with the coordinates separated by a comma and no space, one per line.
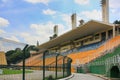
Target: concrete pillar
(100,36)
(113,31)
(117,33)
(56,30)
(73,20)
(106,35)
(105,10)
(59,49)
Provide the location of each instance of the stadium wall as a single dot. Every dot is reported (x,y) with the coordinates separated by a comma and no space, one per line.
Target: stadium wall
(108,64)
(3,60)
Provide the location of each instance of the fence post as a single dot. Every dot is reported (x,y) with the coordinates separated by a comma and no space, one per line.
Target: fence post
(24,51)
(56,66)
(44,64)
(64,66)
(77,69)
(69,61)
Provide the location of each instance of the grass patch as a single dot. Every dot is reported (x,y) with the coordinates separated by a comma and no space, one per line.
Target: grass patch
(10,71)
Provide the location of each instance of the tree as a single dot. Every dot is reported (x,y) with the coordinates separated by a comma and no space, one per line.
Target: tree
(15,56)
(116,22)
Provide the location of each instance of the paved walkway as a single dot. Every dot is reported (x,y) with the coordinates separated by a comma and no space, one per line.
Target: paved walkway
(35,75)
(78,76)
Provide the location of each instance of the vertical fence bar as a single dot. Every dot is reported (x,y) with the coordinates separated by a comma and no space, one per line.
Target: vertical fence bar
(56,67)
(69,66)
(64,66)
(24,51)
(44,64)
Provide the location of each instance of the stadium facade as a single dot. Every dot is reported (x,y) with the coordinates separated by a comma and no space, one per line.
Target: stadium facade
(93,46)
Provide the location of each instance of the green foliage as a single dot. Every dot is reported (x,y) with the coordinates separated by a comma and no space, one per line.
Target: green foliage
(116,22)
(15,56)
(9,52)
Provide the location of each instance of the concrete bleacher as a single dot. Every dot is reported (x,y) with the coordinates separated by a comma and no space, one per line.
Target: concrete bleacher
(90,46)
(3,60)
(32,60)
(84,48)
(87,56)
(79,58)
(104,64)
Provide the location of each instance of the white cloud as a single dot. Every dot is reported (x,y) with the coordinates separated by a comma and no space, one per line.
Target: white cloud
(61,29)
(78,19)
(4,22)
(82,2)
(95,14)
(46,29)
(14,38)
(41,32)
(2,31)
(4,1)
(38,1)
(29,38)
(115,8)
(67,19)
(114,4)
(49,12)
(43,28)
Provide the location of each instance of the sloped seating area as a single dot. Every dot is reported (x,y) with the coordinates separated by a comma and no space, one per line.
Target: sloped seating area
(85,48)
(87,56)
(101,64)
(38,61)
(32,60)
(90,46)
(78,58)
(108,55)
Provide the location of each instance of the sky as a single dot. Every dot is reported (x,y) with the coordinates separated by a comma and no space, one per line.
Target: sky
(29,21)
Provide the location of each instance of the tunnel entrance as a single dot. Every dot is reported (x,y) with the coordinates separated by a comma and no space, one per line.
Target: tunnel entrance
(114,72)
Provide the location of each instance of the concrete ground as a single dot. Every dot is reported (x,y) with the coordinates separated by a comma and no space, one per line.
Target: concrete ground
(78,76)
(35,75)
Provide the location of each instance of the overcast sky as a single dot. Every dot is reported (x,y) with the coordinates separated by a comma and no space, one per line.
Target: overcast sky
(29,21)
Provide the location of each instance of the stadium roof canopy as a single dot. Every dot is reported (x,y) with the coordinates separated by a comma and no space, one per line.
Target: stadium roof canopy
(89,28)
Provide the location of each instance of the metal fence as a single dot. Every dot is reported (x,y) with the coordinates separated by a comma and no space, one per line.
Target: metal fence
(52,68)
(59,68)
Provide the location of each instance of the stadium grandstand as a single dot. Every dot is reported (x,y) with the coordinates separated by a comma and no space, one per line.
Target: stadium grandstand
(84,44)
(94,47)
